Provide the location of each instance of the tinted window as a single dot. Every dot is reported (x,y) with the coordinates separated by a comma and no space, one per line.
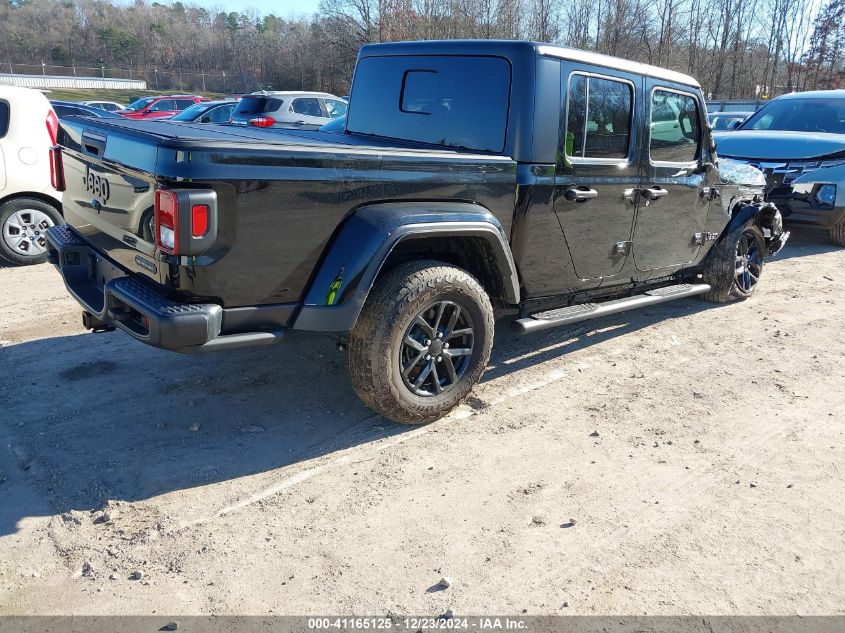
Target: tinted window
(221,114)
(451,101)
(256,104)
(307,107)
(4,118)
(140,104)
(674,138)
(165,105)
(598,118)
(181,104)
(800,115)
(63,110)
(335,108)
(189,114)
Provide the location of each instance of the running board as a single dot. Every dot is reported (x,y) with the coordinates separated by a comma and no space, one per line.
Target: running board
(585,311)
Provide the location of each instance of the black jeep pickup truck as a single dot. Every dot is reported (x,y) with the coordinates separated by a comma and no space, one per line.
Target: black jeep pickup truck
(473,178)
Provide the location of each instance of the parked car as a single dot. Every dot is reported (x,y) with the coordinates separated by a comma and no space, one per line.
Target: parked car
(108,106)
(548,199)
(29,204)
(69,108)
(207,112)
(292,110)
(726,120)
(159,107)
(798,140)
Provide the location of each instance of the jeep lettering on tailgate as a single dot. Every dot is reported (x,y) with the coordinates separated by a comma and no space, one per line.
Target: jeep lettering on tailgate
(97,185)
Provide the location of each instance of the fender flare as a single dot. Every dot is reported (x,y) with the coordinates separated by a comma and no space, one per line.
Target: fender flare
(765,215)
(362,244)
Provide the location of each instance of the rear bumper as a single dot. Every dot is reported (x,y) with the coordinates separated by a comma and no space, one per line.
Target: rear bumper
(115,299)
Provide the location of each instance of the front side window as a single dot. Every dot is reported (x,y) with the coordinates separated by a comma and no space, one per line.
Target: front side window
(165,105)
(140,104)
(598,123)
(307,107)
(675,132)
(222,113)
(181,104)
(335,108)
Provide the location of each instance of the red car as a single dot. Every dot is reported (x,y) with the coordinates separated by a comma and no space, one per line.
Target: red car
(159,107)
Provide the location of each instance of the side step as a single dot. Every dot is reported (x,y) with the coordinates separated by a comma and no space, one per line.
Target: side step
(585,311)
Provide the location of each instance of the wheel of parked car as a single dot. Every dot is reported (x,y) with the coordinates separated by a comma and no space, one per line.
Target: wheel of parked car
(734,269)
(23,222)
(421,342)
(837,234)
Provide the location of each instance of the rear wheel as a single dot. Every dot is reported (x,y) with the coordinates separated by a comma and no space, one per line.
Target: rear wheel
(837,234)
(735,268)
(421,342)
(23,223)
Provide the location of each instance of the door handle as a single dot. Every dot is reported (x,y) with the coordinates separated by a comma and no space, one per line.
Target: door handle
(654,193)
(580,194)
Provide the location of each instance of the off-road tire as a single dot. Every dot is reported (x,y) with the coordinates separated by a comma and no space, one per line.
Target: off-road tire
(10,207)
(375,342)
(837,234)
(720,271)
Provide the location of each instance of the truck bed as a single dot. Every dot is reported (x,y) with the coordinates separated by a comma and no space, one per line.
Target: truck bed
(272,187)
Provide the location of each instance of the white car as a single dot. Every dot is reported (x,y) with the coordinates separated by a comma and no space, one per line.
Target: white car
(291,110)
(29,204)
(108,106)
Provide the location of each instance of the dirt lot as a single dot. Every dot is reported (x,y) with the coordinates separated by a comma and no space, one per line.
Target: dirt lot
(680,459)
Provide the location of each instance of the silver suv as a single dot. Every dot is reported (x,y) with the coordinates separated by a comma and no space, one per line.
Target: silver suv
(291,110)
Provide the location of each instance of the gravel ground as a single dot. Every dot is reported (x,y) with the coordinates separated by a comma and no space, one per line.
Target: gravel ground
(685,458)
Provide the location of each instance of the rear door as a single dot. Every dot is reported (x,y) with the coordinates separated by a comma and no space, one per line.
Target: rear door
(673,205)
(306,113)
(597,169)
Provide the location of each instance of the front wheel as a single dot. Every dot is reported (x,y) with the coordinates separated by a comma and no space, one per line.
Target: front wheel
(837,233)
(23,226)
(735,267)
(421,342)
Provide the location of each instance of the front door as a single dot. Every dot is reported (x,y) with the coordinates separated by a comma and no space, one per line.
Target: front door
(597,170)
(673,201)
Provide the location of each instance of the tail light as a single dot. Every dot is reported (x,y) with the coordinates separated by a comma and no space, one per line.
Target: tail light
(52,126)
(167,220)
(57,169)
(185,220)
(262,121)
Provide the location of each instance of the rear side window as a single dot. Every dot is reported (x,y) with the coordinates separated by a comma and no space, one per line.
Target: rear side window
(4,118)
(446,100)
(307,107)
(252,105)
(598,123)
(675,133)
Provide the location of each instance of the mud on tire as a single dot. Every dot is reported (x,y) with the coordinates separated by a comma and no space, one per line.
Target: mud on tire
(400,315)
(723,273)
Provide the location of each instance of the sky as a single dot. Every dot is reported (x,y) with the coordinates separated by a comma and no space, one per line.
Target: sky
(278,7)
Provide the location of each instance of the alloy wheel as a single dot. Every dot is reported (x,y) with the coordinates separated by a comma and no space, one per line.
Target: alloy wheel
(749,263)
(436,348)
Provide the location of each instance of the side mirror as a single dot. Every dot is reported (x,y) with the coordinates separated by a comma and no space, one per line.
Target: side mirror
(205,119)
(734,125)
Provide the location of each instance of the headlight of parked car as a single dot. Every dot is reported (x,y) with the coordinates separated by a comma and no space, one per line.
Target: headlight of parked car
(826,195)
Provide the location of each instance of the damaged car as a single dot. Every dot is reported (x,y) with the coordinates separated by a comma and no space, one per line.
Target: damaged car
(798,141)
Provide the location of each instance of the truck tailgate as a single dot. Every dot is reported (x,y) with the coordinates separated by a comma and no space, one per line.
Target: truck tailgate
(111,203)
